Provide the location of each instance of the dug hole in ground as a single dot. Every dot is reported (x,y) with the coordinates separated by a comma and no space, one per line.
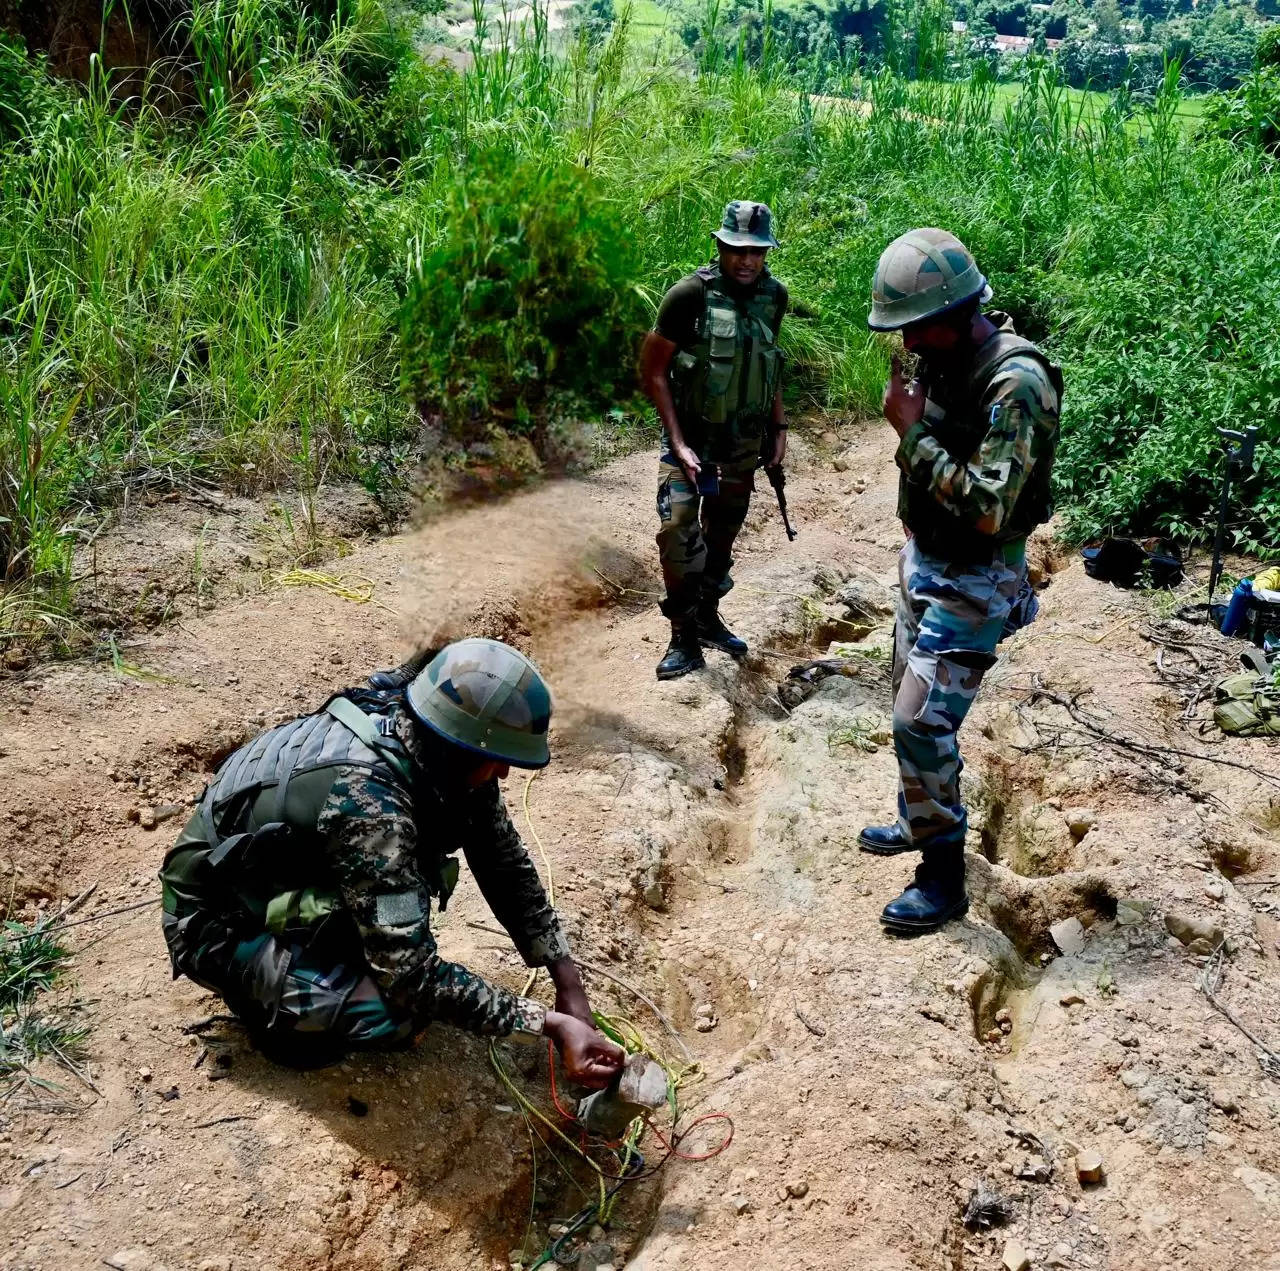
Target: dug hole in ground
(702,837)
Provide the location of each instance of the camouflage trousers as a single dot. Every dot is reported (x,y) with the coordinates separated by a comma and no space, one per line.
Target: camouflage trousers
(950,619)
(297,997)
(695,541)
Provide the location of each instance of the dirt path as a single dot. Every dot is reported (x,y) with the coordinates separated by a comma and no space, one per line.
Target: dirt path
(702,838)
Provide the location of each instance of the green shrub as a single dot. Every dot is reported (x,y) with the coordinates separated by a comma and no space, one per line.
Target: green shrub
(1249,114)
(530,293)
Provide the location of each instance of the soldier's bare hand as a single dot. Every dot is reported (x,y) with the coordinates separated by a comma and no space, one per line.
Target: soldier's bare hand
(589,1057)
(903,403)
(688,461)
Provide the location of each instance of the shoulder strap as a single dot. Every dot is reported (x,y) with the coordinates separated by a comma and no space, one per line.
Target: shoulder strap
(997,351)
(347,713)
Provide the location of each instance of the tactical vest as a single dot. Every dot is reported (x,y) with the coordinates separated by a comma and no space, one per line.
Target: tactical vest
(264,874)
(938,531)
(1247,705)
(724,384)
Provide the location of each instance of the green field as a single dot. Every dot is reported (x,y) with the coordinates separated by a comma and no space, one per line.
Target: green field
(335,242)
(1090,104)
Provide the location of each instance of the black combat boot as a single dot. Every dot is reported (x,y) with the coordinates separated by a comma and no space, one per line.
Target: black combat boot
(713,633)
(936,896)
(401,676)
(683,653)
(884,840)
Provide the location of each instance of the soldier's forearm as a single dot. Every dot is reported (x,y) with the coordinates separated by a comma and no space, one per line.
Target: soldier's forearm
(659,393)
(447,992)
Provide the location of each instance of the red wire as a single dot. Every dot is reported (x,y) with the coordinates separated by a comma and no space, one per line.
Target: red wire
(555,1098)
(672,1146)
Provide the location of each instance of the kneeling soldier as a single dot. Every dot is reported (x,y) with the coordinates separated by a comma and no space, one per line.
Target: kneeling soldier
(301,889)
(713,370)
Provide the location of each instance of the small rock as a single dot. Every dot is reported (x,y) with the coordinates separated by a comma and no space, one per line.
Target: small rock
(704,1024)
(1035,1171)
(994,1034)
(798,1189)
(840,463)
(1226,1102)
(1068,935)
(1089,1166)
(595,1233)
(1214,889)
(130,1260)
(167,811)
(1186,928)
(1071,999)
(1201,948)
(1080,821)
(1128,914)
(1015,1257)
(144,1074)
(147,819)
(705,1009)
(1060,1256)
(1004,1016)
(739,1204)
(215,1264)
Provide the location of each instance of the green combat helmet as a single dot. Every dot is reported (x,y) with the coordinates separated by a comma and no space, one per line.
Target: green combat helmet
(488,698)
(746,225)
(922,274)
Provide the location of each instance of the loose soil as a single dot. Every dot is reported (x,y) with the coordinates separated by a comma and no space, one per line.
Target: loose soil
(702,838)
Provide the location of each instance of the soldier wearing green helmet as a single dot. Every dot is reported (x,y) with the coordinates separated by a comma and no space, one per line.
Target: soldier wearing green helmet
(301,889)
(713,369)
(978,426)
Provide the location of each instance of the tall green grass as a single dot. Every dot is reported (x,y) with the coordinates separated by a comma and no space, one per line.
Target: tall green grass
(236,274)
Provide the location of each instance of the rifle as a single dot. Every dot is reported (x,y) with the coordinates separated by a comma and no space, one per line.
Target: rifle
(778,479)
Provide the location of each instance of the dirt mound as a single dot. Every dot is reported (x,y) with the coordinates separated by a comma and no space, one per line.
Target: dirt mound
(703,841)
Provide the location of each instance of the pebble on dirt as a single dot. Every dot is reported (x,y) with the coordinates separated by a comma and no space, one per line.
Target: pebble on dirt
(1015,1257)
(1187,928)
(1080,821)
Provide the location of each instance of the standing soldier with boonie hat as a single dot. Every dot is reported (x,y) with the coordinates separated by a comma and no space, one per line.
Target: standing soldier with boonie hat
(978,429)
(301,889)
(713,369)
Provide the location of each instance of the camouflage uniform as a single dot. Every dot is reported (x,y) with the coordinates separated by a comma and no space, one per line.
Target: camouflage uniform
(724,377)
(975,475)
(317,923)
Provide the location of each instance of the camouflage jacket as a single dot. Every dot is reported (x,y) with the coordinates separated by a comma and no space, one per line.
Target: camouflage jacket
(385,851)
(975,470)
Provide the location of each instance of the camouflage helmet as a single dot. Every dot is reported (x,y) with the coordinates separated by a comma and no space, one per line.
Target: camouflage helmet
(488,698)
(746,225)
(922,274)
